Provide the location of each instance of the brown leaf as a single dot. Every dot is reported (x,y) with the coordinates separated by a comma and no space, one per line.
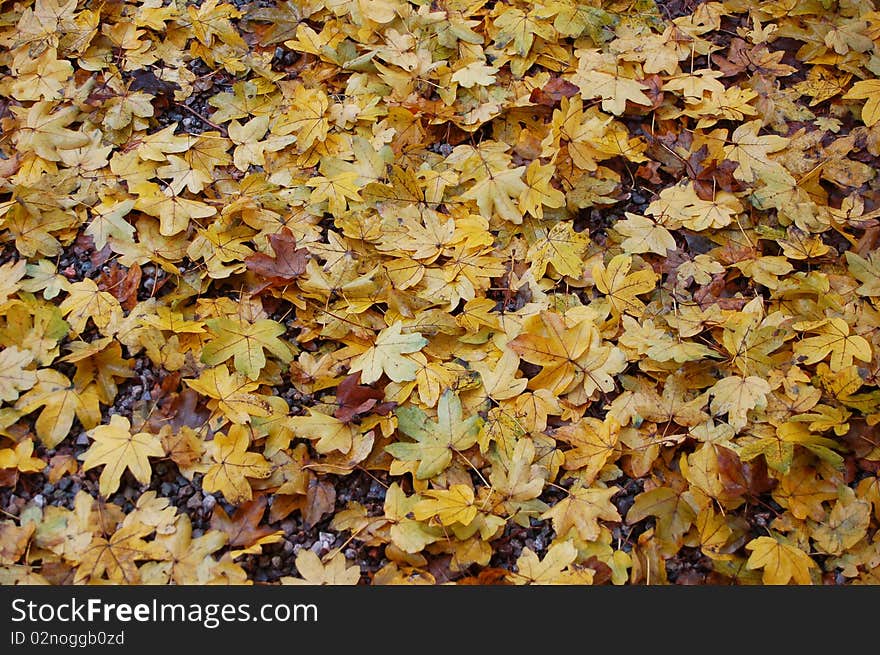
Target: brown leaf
(121,284)
(59,465)
(288,263)
(320,501)
(488,576)
(284,506)
(243,527)
(14,541)
(355,398)
(648,171)
(552,93)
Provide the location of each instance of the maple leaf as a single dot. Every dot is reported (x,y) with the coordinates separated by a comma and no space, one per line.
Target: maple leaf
(14,378)
(116,556)
(623,287)
(233,465)
(581,510)
(314,572)
(833,338)
(735,396)
(476,73)
(21,458)
(539,193)
(40,78)
(847,524)
(750,150)
(175,213)
(288,263)
(500,382)
(355,398)
(232,393)
(521,28)
(447,506)
(435,442)
(569,355)
(115,447)
(330,432)
(245,342)
(614,90)
(85,301)
(242,529)
(45,132)
(61,403)
(387,355)
(674,514)
(780,561)
(866,271)
(562,247)
(409,535)
(644,235)
(553,569)
(593,444)
(494,193)
(870,90)
(188,560)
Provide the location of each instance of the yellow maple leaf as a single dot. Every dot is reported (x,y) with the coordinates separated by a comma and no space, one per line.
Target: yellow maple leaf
(315,572)
(85,301)
(780,561)
(750,150)
(331,433)
(573,357)
(496,191)
(623,287)
(644,235)
(832,338)
(870,90)
(387,355)
(614,90)
(500,381)
(61,402)
(233,465)
(40,78)
(44,130)
(539,192)
(115,447)
(232,393)
(581,511)
(553,569)
(594,444)
(561,247)
(736,395)
(14,377)
(447,506)
(21,458)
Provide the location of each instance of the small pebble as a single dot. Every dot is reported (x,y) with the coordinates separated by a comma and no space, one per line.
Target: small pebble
(83,439)
(208,502)
(376,492)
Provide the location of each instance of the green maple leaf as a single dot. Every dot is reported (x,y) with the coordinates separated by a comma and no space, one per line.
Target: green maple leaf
(245,342)
(434,442)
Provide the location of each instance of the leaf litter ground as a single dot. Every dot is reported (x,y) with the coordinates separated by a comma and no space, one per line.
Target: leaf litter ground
(401,292)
